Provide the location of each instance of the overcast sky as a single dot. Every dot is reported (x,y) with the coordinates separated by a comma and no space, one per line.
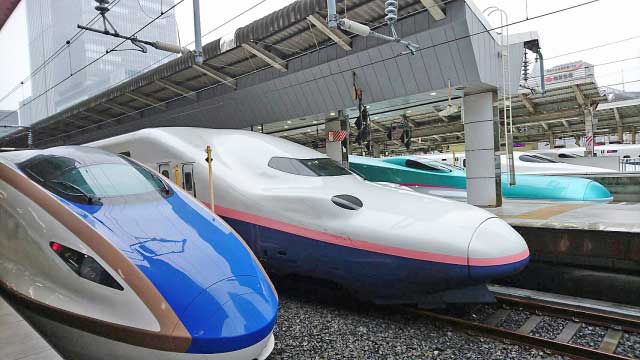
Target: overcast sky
(592,25)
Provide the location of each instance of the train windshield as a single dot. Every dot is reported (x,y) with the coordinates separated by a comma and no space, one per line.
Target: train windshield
(91,183)
(536,159)
(308,167)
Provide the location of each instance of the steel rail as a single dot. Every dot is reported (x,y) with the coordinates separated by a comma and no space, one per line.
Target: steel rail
(562,348)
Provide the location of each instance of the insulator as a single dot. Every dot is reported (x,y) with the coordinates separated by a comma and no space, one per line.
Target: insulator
(391,9)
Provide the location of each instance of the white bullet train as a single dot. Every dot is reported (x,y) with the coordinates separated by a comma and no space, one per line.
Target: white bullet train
(525,163)
(304,214)
(624,151)
(108,261)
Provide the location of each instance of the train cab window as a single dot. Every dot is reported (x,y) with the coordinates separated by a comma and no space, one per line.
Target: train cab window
(126,153)
(188,181)
(88,184)
(536,159)
(464,163)
(418,165)
(308,167)
(567,156)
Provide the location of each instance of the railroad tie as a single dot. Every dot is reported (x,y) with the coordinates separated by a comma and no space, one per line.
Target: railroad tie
(610,341)
(569,330)
(497,317)
(530,324)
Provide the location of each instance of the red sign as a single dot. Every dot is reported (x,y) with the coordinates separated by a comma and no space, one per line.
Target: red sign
(337,136)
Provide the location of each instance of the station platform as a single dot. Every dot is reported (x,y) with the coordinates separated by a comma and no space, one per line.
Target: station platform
(18,341)
(588,235)
(619,217)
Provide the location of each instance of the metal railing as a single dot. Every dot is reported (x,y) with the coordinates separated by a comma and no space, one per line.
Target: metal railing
(630,165)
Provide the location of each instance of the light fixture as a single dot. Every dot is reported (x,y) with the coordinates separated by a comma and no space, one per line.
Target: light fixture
(288,121)
(315,122)
(332,114)
(433,94)
(286,126)
(408,111)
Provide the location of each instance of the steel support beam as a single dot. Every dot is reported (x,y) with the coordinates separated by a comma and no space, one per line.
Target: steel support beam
(266,56)
(123,109)
(95,116)
(147,100)
(336,35)
(528,103)
(177,89)
(579,96)
(217,75)
(434,8)
(589,129)
(620,127)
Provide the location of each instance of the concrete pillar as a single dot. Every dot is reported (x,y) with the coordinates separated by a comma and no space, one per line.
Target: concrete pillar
(589,128)
(634,135)
(552,141)
(481,145)
(621,135)
(338,150)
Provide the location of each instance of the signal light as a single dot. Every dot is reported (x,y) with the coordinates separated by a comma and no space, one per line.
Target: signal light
(85,266)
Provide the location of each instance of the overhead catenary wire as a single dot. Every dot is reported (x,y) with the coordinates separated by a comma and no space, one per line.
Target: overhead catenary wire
(423,48)
(55,54)
(594,47)
(86,65)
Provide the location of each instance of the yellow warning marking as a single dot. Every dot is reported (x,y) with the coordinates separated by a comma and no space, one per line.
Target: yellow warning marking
(547,212)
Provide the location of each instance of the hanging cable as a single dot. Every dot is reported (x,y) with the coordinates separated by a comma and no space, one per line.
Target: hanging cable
(424,48)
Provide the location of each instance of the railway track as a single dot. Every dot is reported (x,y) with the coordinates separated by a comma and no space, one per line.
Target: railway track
(573,313)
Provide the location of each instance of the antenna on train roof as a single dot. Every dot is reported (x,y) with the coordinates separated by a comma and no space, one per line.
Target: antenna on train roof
(391,9)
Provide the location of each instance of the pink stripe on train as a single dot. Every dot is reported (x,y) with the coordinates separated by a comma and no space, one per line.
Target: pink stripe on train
(364,245)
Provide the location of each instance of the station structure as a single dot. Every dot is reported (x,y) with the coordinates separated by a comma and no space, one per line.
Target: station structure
(288,72)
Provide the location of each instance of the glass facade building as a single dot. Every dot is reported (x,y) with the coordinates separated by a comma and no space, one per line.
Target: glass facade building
(63,82)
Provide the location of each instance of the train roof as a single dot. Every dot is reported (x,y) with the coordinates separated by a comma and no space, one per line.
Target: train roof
(82,155)
(230,140)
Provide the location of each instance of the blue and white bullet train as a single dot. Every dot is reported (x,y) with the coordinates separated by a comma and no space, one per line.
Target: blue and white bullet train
(109,261)
(304,214)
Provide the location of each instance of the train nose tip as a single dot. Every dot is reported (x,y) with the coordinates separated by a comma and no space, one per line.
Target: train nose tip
(496,250)
(233,314)
(596,191)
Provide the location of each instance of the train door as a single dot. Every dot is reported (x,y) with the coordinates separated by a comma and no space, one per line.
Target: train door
(164,168)
(188,179)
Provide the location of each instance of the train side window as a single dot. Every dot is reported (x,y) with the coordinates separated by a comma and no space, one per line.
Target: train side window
(422,166)
(464,163)
(188,181)
(627,157)
(165,173)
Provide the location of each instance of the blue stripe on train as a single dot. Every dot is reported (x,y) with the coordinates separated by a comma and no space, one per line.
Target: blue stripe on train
(203,271)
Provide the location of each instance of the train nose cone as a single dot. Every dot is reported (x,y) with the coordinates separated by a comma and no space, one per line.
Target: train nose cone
(232,314)
(496,250)
(596,191)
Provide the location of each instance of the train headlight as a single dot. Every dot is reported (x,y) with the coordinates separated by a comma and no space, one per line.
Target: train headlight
(85,266)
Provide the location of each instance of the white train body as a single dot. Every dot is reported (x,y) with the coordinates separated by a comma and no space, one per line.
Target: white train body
(132,314)
(525,163)
(387,245)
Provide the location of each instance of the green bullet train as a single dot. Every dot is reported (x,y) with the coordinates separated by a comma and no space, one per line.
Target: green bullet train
(427,175)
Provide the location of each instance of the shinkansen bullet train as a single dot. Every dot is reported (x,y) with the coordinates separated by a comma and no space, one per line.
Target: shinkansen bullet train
(437,178)
(109,261)
(525,163)
(304,214)
(624,151)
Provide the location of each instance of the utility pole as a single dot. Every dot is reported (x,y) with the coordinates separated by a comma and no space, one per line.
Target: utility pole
(197,32)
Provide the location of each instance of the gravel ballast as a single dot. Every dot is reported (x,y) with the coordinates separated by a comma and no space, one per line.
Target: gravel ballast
(311,329)
(549,328)
(515,319)
(629,346)
(589,336)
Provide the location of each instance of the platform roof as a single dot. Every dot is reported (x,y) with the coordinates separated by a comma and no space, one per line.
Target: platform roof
(280,37)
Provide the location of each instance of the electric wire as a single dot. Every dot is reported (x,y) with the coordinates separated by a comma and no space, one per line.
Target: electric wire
(55,54)
(86,65)
(594,47)
(318,78)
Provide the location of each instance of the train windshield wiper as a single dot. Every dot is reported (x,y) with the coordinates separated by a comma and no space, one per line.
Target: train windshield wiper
(91,199)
